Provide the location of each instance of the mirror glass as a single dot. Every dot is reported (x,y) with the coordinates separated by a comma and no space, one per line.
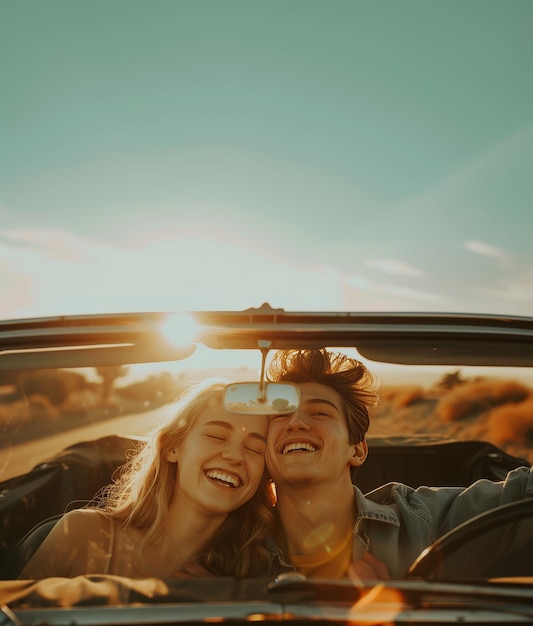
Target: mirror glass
(244,398)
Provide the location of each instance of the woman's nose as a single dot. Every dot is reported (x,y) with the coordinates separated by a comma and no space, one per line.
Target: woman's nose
(233,453)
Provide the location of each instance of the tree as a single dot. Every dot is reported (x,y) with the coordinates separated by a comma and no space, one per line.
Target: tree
(109,375)
(451,380)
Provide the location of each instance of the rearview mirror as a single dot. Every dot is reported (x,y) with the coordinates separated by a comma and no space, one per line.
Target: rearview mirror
(244,398)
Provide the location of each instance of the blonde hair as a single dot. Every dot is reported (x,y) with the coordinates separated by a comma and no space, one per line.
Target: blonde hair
(141,496)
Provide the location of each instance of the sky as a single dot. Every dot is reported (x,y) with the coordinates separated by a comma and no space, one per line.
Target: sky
(334,155)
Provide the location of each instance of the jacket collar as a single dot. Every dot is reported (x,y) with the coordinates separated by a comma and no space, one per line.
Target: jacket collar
(369,510)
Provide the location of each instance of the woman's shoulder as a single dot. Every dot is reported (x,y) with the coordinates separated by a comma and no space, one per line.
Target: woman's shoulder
(86,516)
(77,544)
(91,524)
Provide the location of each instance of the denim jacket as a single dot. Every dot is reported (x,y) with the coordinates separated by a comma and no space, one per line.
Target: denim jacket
(395,523)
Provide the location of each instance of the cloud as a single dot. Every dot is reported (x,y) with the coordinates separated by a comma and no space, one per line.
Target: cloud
(56,244)
(416,295)
(478,247)
(51,272)
(19,288)
(393,266)
(390,296)
(64,274)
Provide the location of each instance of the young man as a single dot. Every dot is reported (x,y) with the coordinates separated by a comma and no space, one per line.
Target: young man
(326,527)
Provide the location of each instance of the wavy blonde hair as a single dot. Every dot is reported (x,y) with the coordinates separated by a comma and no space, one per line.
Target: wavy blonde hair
(141,496)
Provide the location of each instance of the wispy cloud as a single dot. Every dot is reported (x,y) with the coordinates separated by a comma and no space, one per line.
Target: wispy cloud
(56,244)
(394,266)
(65,274)
(416,295)
(397,295)
(485,249)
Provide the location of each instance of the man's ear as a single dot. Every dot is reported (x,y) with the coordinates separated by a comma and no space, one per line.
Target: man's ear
(359,453)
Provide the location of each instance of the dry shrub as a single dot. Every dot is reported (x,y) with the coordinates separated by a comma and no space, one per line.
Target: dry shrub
(79,402)
(41,407)
(14,414)
(54,385)
(477,396)
(22,412)
(409,396)
(402,396)
(512,423)
(387,393)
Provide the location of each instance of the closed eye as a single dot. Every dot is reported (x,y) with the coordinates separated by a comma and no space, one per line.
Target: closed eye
(217,437)
(255,450)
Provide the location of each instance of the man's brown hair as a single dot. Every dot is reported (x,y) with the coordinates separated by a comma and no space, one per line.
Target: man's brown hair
(355,384)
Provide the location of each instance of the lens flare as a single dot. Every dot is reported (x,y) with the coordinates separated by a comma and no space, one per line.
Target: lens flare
(179,329)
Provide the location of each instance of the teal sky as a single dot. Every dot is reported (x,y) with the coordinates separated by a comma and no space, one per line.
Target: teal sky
(371,155)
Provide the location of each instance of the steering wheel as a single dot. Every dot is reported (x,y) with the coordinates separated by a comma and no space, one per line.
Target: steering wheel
(495,530)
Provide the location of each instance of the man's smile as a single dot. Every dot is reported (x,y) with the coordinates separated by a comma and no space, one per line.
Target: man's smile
(298,446)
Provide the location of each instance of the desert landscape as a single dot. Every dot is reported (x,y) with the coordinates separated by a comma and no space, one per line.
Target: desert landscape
(494,410)
(52,403)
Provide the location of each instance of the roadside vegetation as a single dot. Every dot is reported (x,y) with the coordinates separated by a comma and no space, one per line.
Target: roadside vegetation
(497,411)
(38,403)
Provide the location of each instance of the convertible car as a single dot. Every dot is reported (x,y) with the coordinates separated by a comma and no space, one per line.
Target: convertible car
(78,393)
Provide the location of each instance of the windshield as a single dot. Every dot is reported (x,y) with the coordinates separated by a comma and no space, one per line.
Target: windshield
(44,411)
(72,437)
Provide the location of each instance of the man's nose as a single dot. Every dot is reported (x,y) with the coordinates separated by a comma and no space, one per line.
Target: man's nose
(297,421)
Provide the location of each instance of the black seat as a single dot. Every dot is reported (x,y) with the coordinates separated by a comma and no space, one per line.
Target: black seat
(75,474)
(69,480)
(21,553)
(417,461)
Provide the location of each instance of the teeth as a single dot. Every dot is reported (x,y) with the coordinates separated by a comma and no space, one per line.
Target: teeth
(290,447)
(222,477)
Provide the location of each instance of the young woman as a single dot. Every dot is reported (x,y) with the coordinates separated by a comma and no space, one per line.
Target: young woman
(196,493)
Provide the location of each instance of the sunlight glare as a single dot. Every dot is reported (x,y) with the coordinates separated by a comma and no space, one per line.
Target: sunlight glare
(179,329)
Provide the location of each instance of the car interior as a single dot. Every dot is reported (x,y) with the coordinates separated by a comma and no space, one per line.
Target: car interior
(34,502)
